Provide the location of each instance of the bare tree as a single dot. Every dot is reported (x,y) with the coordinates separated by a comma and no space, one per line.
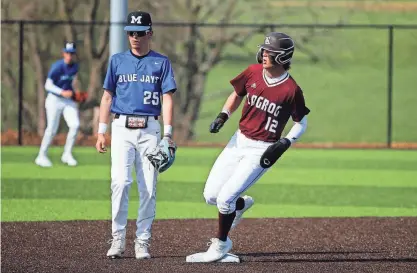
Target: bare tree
(94,46)
(9,79)
(36,50)
(198,49)
(42,46)
(194,50)
(39,50)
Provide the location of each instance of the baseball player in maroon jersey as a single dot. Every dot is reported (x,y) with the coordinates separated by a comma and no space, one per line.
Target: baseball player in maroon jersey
(270,96)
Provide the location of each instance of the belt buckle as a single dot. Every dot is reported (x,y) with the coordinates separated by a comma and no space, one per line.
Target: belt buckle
(136,122)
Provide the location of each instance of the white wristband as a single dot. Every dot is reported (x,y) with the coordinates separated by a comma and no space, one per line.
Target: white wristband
(227,112)
(168,130)
(102,128)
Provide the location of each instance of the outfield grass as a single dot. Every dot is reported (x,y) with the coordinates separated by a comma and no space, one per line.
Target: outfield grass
(316,183)
(347,89)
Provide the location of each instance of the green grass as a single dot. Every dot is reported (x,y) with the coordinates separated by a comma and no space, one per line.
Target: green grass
(347,89)
(305,183)
(347,98)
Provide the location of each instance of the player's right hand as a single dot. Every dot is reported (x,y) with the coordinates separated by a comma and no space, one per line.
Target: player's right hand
(101,144)
(67,94)
(218,123)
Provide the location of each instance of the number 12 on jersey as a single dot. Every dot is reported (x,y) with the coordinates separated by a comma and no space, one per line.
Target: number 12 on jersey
(271,125)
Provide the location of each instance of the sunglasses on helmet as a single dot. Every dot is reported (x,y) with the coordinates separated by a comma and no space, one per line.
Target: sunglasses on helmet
(138,33)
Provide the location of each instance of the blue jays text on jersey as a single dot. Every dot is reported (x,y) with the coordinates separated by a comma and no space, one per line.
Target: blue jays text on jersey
(135,78)
(137,83)
(63,74)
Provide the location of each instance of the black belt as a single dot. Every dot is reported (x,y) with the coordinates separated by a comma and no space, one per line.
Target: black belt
(116,116)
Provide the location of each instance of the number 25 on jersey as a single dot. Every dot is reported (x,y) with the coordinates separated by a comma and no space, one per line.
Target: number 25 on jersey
(151,98)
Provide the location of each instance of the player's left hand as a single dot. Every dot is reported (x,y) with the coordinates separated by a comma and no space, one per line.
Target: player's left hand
(80,96)
(163,156)
(218,123)
(274,152)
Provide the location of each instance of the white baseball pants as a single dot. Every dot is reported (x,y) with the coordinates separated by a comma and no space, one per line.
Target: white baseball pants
(55,106)
(128,149)
(236,169)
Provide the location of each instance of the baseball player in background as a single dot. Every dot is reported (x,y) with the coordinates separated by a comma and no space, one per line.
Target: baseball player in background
(270,96)
(136,83)
(61,86)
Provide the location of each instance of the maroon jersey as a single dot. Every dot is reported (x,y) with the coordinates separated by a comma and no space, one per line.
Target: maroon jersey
(268,106)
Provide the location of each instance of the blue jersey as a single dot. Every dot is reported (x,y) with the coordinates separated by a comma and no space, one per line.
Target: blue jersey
(137,83)
(63,74)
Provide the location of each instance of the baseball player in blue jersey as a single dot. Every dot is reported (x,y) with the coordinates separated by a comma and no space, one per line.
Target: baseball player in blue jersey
(136,84)
(59,100)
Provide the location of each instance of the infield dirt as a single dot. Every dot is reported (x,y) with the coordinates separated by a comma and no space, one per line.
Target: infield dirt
(264,245)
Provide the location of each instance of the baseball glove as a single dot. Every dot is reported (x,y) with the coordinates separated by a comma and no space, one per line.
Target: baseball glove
(163,156)
(80,96)
(274,152)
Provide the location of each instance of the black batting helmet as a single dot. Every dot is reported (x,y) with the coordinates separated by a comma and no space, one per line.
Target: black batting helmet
(279,43)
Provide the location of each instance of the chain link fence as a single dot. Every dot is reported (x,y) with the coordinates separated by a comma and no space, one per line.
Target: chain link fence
(359,80)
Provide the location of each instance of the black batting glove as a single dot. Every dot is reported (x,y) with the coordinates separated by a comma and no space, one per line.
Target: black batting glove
(274,152)
(218,123)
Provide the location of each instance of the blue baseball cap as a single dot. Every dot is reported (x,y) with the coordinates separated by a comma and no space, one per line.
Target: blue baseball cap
(70,47)
(138,21)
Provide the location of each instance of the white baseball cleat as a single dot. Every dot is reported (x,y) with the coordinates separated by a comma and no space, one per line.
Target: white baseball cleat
(141,249)
(43,161)
(217,250)
(69,160)
(118,246)
(239,213)
(198,258)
